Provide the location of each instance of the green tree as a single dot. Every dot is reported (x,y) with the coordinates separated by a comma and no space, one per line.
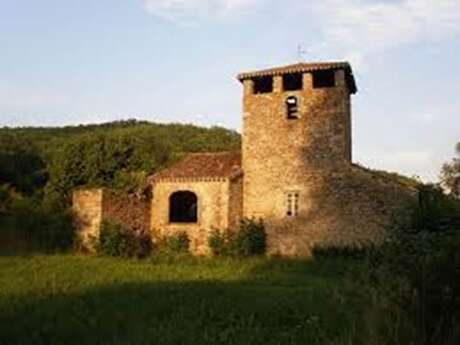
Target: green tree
(21,166)
(100,159)
(117,154)
(450,174)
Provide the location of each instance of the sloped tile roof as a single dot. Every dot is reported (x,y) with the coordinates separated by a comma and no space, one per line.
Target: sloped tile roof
(304,67)
(202,165)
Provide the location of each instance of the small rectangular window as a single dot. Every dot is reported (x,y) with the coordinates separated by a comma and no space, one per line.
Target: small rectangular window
(323,79)
(263,85)
(292,204)
(293,82)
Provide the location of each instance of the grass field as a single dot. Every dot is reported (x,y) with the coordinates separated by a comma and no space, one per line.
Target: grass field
(68,299)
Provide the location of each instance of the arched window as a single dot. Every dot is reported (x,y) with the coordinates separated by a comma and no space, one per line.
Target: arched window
(292,107)
(183,207)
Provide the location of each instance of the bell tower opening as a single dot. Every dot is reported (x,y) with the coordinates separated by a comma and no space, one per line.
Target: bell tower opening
(323,79)
(263,85)
(293,82)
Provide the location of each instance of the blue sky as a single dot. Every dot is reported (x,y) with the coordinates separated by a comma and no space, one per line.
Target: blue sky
(70,62)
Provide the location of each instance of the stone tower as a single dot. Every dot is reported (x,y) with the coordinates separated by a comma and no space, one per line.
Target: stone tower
(296,123)
(295,172)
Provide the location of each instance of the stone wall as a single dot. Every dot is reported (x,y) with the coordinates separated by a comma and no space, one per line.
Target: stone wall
(213,210)
(352,207)
(87,209)
(92,206)
(235,202)
(129,210)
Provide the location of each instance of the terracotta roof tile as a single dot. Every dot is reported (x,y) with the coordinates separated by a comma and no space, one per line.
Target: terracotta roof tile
(303,67)
(203,165)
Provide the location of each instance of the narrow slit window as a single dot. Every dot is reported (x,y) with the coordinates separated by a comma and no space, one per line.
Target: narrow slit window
(292,107)
(263,85)
(293,82)
(323,79)
(292,204)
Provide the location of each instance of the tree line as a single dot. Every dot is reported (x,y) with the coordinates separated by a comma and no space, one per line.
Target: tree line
(39,168)
(48,163)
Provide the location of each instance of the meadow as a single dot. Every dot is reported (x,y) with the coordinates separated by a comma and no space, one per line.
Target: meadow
(405,292)
(71,299)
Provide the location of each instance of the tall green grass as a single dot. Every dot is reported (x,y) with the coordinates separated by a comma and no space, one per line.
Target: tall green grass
(65,299)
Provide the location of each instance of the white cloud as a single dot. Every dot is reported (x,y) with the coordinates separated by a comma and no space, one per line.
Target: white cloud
(351,29)
(190,11)
(357,28)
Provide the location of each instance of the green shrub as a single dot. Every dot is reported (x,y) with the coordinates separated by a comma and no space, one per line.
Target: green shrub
(250,239)
(42,227)
(4,198)
(216,242)
(437,211)
(222,243)
(116,240)
(410,285)
(178,243)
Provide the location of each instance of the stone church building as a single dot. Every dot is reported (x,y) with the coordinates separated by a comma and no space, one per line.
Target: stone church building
(294,171)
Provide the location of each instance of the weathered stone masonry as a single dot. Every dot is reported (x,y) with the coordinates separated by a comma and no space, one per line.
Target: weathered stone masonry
(216,180)
(96,205)
(295,172)
(338,203)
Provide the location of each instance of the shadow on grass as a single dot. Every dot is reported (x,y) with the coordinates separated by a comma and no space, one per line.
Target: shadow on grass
(182,312)
(14,243)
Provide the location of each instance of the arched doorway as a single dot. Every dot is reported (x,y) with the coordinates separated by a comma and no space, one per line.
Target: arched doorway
(183,207)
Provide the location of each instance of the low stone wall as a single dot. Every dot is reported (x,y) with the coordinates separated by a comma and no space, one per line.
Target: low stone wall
(87,210)
(92,206)
(128,210)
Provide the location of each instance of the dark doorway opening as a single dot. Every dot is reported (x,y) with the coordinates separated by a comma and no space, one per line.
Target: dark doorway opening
(183,207)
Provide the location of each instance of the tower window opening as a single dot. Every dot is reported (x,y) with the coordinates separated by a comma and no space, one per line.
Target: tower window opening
(292,204)
(323,79)
(183,207)
(293,82)
(263,85)
(292,106)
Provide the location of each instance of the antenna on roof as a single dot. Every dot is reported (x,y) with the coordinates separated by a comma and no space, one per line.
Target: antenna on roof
(300,53)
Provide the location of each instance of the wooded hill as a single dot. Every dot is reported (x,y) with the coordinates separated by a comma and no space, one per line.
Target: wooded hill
(47,163)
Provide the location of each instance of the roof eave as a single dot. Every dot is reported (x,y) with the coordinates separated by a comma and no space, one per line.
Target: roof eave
(303,68)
